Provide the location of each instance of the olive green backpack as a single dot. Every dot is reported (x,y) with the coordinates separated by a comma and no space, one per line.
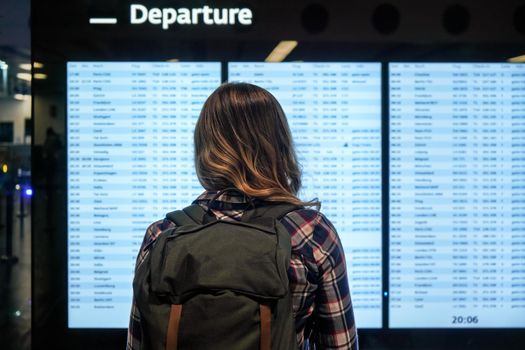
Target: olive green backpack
(215,284)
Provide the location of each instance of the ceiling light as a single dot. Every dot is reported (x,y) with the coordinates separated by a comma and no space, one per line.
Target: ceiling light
(38,65)
(40,76)
(25,66)
(281,51)
(517,59)
(24,76)
(20,97)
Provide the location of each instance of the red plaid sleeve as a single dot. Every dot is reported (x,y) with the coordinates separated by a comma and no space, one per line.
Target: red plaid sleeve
(134,330)
(318,279)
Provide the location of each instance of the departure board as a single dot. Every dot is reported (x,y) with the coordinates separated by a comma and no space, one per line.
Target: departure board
(334,112)
(457,195)
(130,161)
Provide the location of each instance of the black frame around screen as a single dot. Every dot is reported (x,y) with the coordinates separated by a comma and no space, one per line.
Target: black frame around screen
(58,38)
(391,338)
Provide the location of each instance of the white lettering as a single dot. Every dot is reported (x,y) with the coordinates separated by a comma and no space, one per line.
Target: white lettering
(245,16)
(144,12)
(195,15)
(184,16)
(207,12)
(220,19)
(233,12)
(169,16)
(154,16)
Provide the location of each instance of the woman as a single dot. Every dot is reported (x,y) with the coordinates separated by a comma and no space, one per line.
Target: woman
(242,140)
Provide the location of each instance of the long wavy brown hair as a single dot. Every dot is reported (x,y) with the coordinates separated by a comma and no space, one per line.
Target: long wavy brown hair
(242,140)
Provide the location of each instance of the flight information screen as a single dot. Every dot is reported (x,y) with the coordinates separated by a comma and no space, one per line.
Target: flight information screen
(334,112)
(457,195)
(130,161)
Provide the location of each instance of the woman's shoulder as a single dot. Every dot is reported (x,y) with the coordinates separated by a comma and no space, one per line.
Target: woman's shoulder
(153,231)
(307,216)
(309,227)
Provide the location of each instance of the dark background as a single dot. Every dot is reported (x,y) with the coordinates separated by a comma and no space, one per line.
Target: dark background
(384,31)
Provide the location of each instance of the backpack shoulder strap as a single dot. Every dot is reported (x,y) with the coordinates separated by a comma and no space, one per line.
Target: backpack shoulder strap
(192,215)
(276,211)
(281,210)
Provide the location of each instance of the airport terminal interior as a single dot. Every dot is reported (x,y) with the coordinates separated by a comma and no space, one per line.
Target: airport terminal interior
(16,190)
(408,118)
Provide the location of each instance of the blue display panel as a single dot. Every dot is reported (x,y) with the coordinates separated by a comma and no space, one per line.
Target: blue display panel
(334,111)
(130,161)
(457,195)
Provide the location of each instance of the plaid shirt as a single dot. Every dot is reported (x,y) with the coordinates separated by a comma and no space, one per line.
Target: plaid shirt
(322,307)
